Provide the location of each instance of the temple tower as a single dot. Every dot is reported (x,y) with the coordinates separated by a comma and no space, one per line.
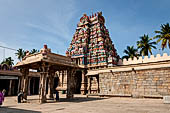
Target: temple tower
(91,45)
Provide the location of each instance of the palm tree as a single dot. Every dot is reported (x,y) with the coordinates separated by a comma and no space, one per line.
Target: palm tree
(130,52)
(34,51)
(145,45)
(9,61)
(20,54)
(163,35)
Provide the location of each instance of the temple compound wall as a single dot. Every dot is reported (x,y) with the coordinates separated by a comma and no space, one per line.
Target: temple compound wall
(143,83)
(143,77)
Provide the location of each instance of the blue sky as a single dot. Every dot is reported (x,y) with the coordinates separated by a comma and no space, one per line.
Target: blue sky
(30,24)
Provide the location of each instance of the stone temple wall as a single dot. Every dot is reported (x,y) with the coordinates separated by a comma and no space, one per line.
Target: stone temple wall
(136,83)
(142,77)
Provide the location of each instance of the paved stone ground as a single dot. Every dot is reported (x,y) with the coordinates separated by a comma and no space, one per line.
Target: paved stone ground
(81,104)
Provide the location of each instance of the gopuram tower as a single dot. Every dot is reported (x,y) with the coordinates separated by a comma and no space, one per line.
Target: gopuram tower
(91,45)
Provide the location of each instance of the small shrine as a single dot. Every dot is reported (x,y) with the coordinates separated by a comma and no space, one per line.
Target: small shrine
(91,45)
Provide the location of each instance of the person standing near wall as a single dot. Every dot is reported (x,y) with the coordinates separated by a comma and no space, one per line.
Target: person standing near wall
(1,97)
(57,96)
(4,91)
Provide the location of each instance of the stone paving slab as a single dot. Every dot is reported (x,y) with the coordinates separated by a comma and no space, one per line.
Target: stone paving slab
(81,104)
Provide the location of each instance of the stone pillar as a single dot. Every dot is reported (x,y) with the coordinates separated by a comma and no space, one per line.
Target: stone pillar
(43,81)
(51,84)
(89,85)
(19,84)
(84,82)
(33,86)
(10,87)
(98,89)
(70,83)
(62,78)
(13,87)
(43,87)
(29,80)
(24,83)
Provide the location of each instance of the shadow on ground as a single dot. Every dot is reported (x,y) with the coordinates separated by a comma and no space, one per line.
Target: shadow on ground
(75,99)
(80,99)
(15,110)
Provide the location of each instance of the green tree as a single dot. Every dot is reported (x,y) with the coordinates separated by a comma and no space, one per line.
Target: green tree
(9,61)
(34,51)
(20,54)
(145,45)
(163,35)
(130,52)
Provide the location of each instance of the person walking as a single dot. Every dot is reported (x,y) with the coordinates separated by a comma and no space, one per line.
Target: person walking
(1,97)
(20,96)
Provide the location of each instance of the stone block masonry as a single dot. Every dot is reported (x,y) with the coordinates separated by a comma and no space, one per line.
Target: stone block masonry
(136,83)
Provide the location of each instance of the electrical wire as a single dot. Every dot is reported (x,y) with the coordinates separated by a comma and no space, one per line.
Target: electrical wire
(8,48)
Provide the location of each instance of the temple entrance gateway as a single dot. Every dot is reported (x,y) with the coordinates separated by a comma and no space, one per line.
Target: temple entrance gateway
(47,64)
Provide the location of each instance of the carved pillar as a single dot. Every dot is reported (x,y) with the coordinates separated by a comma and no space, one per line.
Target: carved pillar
(98,89)
(62,78)
(33,86)
(65,79)
(29,80)
(43,87)
(10,87)
(24,81)
(70,83)
(51,84)
(59,78)
(19,84)
(84,82)
(13,87)
(89,85)
(43,81)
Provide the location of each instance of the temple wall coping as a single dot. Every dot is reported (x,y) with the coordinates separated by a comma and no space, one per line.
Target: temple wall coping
(125,68)
(145,59)
(142,63)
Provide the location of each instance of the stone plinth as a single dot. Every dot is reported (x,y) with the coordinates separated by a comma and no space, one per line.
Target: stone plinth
(166,99)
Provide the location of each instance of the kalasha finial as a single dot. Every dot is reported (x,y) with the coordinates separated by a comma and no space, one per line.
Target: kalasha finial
(84,14)
(45,50)
(45,46)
